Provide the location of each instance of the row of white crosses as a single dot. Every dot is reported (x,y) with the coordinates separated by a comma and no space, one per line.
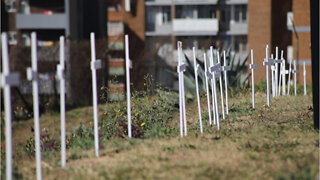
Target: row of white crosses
(211,74)
(12,79)
(277,86)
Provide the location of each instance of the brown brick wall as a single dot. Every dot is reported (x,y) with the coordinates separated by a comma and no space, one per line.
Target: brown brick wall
(259,32)
(301,12)
(301,15)
(115,16)
(135,21)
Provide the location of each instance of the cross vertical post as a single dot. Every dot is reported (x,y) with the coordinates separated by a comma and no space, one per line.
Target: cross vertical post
(267,74)
(225,69)
(289,79)
(295,77)
(95,64)
(273,71)
(252,67)
(128,65)
(32,75)
(284,72)
(196,66)
(207,76)
(276,73)
(304,79)
(181,68)
(213,82)
(60,75)
(220,83)
(7,80)
(280,75)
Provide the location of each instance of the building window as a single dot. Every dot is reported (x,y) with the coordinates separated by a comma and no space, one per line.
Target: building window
(225,15)
(157,16)
(25,39)
(12,38)
(240,44)
(25,8)
(240,13)
(10,6)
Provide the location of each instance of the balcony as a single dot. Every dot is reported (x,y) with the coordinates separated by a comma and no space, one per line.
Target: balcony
(41,21)
(161,30)
(115,28)
(198,27)
(180,2)
(238,29)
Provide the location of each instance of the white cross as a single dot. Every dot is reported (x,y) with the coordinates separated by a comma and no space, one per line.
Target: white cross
(295,71)
(208,75)
(268,62)
(95,64)
(128,66)
(7,80)
(220,82)
(304,78)
(214,69)
(252,67)
(273,71)
(283,72)
(196,67)
(226,68)
(182,105)
(32,75)
(289,77)
(60,75)
(276,72)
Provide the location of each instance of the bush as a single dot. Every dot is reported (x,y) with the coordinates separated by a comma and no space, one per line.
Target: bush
(151,115)
(48,144)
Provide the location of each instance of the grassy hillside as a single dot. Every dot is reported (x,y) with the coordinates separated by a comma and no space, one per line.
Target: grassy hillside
(266,143)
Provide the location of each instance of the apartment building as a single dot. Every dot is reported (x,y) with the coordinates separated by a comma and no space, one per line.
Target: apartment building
(74,19)
(121,22)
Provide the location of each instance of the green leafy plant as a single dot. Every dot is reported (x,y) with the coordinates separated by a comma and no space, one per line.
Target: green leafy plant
(48,143)
(237,76)
(151,114)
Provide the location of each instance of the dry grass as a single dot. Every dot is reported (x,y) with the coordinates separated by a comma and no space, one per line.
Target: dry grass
(266,143)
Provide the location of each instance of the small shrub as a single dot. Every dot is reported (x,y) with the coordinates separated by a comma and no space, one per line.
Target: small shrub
(48,144)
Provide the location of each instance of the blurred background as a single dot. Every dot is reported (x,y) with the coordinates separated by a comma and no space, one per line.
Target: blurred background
(154,27)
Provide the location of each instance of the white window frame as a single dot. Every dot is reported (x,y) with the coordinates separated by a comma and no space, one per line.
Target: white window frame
(27,42)
(12,38)
(11,6)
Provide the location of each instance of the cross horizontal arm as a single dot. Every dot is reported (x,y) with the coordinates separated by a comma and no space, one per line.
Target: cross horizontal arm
(217,74)
(209,75)
(12,79)
(96,64)
(216,67)
(60,70)
(226,68)
(253,66)
(31,74)
(181,68)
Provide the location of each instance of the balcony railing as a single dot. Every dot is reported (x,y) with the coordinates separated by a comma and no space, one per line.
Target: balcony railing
(195,26)
(41,21)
